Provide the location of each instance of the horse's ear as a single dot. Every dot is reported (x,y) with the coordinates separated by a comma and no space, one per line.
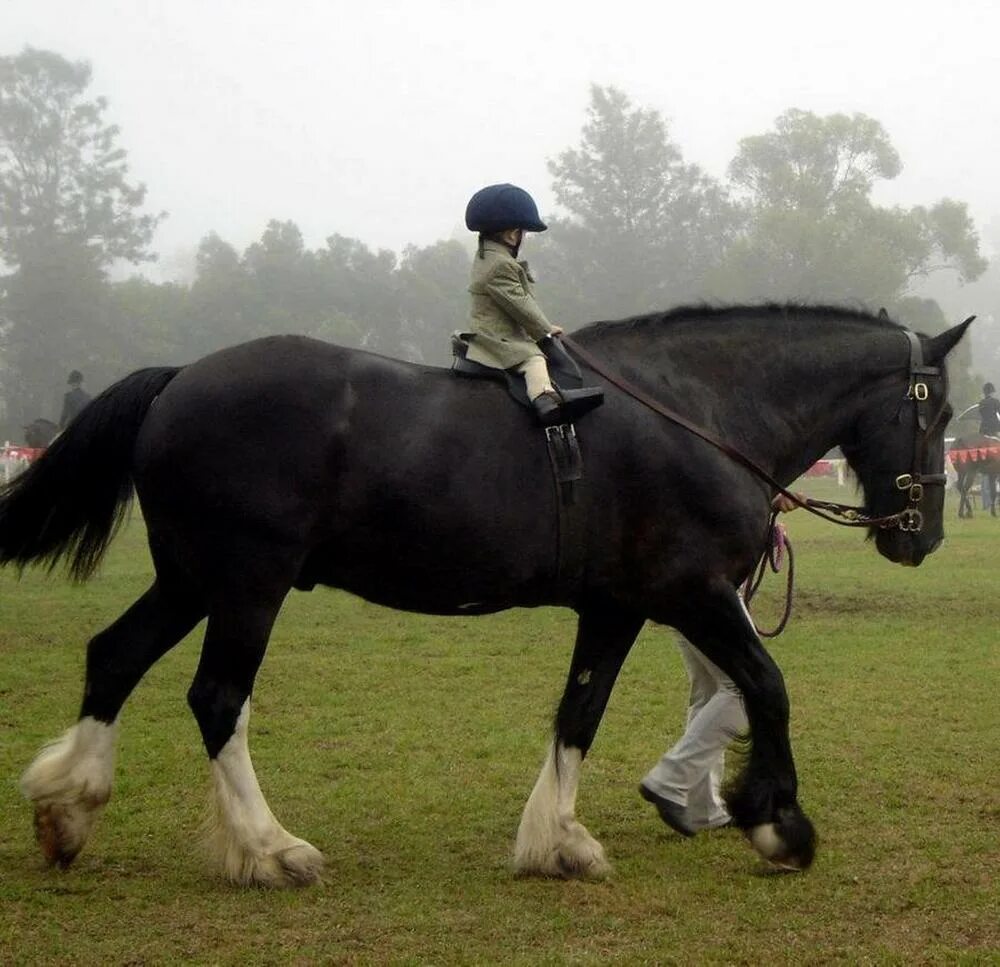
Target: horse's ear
(941,345)
(882,314)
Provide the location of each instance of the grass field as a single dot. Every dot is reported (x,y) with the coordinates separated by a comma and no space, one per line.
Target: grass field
(405,746)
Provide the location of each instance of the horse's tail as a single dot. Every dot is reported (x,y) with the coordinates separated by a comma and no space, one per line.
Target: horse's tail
(71,501)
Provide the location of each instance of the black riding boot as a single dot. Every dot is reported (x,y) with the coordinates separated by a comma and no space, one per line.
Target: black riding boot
(566,406)
(548,408)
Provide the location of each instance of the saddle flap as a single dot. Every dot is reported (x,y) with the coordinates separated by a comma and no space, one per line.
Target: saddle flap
(563,370)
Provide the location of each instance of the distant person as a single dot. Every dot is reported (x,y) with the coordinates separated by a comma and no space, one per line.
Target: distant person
(685,786)
(989,425)
(506,321)
(74,400)
(989,412)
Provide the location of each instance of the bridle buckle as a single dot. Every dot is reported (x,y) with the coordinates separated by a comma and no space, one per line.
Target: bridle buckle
(911,520)
(918,391)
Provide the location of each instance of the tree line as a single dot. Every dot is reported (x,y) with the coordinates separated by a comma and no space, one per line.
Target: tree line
(638,228)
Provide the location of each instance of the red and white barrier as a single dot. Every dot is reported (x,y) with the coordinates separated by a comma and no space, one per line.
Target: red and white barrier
(14,459)
(974,454)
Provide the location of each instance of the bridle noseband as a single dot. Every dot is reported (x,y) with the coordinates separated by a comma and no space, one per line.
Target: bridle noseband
(909,519)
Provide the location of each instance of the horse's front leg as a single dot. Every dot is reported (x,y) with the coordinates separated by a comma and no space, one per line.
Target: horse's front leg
(550,841)
(763,800)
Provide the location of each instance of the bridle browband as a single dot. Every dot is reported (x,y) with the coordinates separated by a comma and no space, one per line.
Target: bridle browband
(909,519)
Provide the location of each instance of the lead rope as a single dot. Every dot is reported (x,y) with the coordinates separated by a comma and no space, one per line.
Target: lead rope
(777,545)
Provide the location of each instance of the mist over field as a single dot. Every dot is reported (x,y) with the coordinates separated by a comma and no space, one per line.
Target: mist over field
(182,177)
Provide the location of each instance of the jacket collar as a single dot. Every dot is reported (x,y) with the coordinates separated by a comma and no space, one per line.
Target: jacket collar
(498,247)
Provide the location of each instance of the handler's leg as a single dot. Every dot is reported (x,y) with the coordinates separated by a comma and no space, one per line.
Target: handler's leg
(70,780)
(763,802)
(705,806)
(550,841)
(689,776)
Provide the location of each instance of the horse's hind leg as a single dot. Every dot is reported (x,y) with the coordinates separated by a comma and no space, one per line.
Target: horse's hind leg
(550,841)
(250,844)
(69,781)
(963,484)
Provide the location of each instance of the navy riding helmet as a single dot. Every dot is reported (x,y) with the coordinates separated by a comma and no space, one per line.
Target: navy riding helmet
(499,207)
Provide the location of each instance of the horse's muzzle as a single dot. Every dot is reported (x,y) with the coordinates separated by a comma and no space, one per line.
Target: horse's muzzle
(905,548)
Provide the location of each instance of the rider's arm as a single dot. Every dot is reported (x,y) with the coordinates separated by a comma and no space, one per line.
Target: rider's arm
(505,288)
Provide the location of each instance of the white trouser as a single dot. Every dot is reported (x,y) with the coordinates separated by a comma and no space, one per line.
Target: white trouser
(536,376)
(691,773)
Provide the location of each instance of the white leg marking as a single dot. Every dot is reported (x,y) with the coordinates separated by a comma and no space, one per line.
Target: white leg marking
(252,846)
(69,782)
(550,841)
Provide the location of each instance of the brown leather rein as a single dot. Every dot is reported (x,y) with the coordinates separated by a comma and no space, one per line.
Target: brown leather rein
(909,519)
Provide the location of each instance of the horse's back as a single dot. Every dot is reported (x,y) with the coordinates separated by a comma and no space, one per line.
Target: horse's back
(383,475)
(288,391)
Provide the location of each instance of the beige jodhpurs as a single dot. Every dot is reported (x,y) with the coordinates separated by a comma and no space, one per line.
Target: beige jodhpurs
(536,376)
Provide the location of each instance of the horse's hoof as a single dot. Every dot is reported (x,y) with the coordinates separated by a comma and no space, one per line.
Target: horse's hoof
(584,862)
(295,866)
(789,843)
(58,837)
(301,865)
(574,854)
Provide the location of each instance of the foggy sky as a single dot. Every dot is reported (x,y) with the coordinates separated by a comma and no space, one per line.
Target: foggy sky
(378,119)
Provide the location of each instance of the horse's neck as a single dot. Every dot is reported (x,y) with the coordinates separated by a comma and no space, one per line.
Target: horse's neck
(783,403)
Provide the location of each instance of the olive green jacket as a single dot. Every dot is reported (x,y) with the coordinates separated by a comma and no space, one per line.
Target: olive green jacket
(506,321)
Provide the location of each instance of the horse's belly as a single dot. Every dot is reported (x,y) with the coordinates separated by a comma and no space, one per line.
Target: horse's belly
(413,580)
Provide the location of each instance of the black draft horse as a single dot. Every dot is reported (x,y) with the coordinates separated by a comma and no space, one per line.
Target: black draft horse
(422,491)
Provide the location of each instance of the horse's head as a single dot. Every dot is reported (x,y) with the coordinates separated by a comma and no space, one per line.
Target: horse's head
(897,451)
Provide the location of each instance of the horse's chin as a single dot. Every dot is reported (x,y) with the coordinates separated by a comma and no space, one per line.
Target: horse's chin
(904,548)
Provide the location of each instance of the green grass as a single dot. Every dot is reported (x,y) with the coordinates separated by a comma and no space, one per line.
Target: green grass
(405,746)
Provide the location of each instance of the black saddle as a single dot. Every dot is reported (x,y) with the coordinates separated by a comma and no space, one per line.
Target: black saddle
(563,370)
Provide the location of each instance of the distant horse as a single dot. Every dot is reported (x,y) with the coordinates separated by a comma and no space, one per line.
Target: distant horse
(418,490)
(40,433)
(982,457)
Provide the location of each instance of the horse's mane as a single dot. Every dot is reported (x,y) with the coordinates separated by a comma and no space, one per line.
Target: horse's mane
(806,312)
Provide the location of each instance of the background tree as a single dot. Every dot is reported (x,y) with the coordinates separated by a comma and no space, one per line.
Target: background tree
(361,285)
(643,230)
(433,284)
(67,211)
(223,306)
(811,230)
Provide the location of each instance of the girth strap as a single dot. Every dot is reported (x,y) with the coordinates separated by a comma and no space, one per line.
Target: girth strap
(566,461)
